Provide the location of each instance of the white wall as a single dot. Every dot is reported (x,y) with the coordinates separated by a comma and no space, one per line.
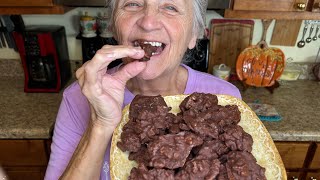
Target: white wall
(71,22)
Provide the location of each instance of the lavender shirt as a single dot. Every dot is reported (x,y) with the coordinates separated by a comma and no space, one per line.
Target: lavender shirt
(74,114)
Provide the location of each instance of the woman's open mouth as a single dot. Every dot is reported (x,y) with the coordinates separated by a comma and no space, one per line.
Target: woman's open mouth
(151,48)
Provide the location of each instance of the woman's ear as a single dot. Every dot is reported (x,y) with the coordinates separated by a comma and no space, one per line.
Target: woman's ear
(192,42)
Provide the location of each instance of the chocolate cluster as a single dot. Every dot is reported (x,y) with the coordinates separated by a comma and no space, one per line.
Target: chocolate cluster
(148,49)
(203,141)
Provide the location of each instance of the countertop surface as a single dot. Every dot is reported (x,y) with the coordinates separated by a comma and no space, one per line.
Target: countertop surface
(32,115)
(298,102)
(26,115)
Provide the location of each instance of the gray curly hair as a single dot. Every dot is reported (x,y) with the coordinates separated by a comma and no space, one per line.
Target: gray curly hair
(199,13)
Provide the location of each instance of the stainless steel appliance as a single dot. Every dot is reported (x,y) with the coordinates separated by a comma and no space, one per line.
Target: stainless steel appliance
(212,4)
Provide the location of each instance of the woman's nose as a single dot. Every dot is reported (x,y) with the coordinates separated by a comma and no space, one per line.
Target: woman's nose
(150,20)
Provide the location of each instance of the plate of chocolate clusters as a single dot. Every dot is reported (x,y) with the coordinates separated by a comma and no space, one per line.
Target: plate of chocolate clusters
(197,136)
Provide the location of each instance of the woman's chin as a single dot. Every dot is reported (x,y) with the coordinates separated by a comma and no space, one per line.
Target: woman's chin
(145,75)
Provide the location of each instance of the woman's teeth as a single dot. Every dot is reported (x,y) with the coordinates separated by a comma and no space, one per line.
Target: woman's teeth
(157,44)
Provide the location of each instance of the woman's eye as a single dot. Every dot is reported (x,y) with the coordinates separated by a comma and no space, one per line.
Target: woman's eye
(131,4)
(171,8)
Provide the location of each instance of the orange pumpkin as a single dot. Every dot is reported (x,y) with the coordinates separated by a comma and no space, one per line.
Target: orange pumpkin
(260,66)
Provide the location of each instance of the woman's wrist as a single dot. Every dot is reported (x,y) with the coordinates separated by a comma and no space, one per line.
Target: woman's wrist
(101,128)
(87,159)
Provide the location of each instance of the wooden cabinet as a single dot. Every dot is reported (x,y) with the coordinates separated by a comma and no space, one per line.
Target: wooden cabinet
(270,5)
(24,3)
(313,176)
(31,7)
(292,154)
(25,173)
(316,6)
(24,159)
(275,9)
(316,160)
(292,175)
(301,160)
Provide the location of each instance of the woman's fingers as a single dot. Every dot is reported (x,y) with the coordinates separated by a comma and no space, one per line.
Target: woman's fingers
(80,74)
(129,71)
(105,56)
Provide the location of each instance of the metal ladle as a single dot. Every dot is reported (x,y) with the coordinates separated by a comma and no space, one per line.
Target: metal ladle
(301,43)
(309,39)
(315,36)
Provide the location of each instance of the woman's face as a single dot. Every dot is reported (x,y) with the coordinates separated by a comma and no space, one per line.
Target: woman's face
(163,23)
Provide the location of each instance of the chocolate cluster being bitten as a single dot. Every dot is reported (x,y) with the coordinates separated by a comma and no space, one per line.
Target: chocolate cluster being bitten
(203,141)
(149,50)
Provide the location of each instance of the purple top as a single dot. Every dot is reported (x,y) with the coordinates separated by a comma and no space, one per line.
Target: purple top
(74,114)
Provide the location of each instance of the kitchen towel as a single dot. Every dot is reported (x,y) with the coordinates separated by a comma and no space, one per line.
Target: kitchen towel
(265,112)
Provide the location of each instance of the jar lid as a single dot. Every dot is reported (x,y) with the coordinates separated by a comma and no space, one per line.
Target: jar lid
(104,17)
(86,17)
(222,67)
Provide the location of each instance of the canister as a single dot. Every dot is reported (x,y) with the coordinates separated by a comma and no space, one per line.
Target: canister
(221,71)
(88,26)
(103,26)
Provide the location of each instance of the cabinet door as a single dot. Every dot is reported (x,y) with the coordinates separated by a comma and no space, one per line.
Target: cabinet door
(292,175)
(270,5)
(311,176)
(22,3)
(25,173)
(315,164)
(23,153)
(292,154)
(316,6)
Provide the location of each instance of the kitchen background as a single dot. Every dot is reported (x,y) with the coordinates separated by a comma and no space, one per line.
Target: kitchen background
(70,21)
(27,119)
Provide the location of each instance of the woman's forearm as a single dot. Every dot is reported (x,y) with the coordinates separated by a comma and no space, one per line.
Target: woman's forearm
(87,159)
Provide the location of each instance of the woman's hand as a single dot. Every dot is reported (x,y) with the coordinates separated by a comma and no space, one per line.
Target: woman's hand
(105,92)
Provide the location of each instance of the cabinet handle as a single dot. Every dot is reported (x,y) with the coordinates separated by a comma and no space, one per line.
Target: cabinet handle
(301,6)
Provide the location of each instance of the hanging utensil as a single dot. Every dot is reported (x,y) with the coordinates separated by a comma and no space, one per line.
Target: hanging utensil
(315,36)
(302,43)
(6,33)
(308,40)
(10,27)
(316,67)
(3,41)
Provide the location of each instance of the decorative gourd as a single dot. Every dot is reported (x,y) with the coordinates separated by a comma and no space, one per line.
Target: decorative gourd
(260,65)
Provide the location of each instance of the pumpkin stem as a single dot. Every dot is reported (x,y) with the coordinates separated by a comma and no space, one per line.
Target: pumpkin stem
(262,45)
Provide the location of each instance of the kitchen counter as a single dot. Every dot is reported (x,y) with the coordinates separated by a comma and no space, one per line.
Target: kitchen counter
(26,115)
(32,115)
(298,102)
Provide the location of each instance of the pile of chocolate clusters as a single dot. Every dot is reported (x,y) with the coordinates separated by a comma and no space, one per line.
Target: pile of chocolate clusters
(203,141)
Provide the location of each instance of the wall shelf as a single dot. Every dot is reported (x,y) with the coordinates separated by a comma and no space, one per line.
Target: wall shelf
(56,9)
(271,15)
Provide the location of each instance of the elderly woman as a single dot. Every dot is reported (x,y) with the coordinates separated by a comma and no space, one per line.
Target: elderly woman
(91,107)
